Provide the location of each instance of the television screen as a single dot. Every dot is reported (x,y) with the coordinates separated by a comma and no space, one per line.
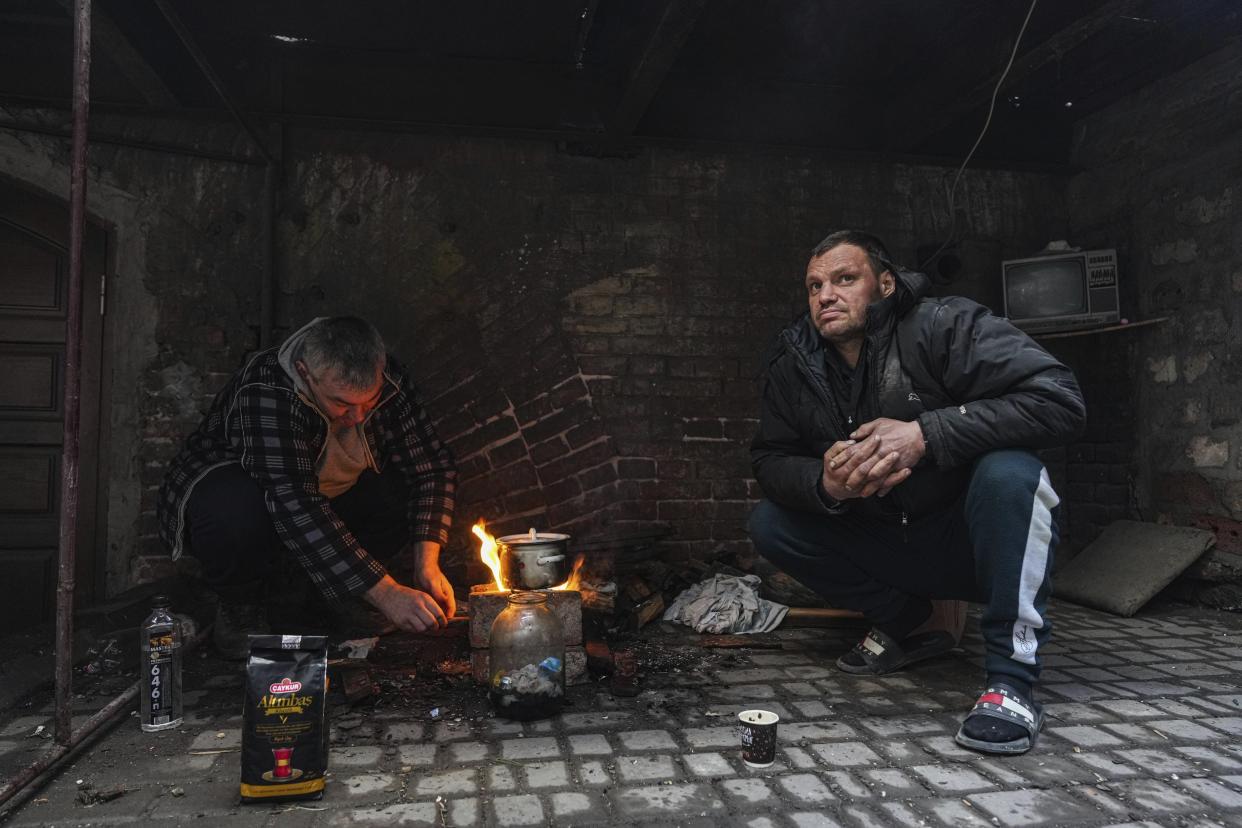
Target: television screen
(1041,289)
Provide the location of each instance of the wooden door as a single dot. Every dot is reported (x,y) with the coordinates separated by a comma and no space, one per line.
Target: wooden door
(34,265)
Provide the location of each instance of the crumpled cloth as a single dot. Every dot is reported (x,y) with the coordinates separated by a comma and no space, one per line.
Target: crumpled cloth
(726,604)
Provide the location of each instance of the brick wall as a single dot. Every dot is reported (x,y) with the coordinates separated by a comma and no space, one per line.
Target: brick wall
(1162,179)
(587,331)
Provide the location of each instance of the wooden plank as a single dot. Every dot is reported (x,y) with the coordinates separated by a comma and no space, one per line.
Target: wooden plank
(936,104)
(653,64)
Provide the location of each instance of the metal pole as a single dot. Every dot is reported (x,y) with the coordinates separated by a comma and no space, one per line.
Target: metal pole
(267,289)
(73,362)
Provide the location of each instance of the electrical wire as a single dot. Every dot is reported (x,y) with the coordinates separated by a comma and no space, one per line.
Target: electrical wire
(1013,54)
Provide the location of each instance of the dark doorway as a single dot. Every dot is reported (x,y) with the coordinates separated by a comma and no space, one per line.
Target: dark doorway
(34,267)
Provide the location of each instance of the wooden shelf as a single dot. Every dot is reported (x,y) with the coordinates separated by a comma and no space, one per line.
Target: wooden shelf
(1107,328)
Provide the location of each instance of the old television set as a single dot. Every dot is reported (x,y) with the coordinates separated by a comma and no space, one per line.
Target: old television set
(1063,290)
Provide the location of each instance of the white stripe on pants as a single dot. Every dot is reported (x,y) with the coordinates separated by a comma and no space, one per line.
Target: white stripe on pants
(1034,565)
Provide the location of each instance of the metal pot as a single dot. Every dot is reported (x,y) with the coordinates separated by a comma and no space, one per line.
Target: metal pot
(535,560)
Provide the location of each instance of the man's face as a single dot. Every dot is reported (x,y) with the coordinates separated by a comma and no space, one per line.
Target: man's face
(840,283)
(342,404)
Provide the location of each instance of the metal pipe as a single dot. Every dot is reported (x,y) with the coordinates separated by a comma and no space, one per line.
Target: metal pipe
(121,141)
(73,363)
(267,289)
(187,40)
(103,716)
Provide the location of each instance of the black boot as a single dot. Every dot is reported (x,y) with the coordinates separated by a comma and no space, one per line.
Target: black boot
(240,614)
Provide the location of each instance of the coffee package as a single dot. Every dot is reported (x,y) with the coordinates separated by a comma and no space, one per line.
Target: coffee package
(285,724)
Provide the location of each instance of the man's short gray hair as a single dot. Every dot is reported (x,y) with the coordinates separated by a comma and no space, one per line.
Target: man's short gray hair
(349,346)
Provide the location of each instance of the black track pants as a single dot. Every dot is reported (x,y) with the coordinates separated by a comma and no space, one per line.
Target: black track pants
(994,547)
(231,534)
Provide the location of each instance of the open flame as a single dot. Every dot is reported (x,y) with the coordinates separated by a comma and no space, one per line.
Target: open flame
(489,553)
(574,577)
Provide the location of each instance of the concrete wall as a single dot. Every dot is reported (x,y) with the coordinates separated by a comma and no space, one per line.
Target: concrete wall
(587,330)
(1164,169)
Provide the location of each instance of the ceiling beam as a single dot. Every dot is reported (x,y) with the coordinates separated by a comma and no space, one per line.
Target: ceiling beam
(127,59)
(653,64)
(935,105)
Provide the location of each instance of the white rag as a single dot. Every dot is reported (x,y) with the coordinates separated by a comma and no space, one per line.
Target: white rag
(726,604)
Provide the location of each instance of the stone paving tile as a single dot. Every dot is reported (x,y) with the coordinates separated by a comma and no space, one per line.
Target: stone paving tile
(812,819)
(593,773)
(576,808)
(952,778)
(518,810)
(955,813)
(1210,758)
(405,813)
(645,768)
(1085,736)
(1227,724)
(806,788)
(1157,762)
(1209,790)
(540,747)
(540,775)
(1033,807)
(646,740)
(417,755)
(846,754)
(1155,795)
(667,802)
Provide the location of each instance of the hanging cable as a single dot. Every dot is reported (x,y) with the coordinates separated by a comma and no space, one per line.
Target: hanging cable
(986,123)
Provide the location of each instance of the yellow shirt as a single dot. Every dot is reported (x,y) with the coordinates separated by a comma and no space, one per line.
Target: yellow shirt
(343,460)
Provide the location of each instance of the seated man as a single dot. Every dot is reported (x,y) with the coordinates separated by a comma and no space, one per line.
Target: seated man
(320,447)
(894,450)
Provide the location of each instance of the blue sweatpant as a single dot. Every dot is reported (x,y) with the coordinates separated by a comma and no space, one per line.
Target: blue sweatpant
(994,547)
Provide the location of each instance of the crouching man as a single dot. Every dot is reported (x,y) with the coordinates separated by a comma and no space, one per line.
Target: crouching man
(895,453)
(316,455)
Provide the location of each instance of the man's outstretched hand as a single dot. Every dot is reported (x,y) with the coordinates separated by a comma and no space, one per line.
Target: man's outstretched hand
(877,457)
(431,579)
(411,610)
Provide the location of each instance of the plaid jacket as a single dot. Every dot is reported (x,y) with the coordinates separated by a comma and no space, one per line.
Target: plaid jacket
(260,421)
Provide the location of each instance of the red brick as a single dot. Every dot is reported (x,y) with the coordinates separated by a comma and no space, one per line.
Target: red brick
(598,476)
(549,450)
(636,467)
(584,458)
(506,453)
(1183,488)
(1228,532)
(704,429)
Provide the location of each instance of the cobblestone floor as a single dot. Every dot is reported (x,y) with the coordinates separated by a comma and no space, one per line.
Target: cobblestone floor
(1144,728)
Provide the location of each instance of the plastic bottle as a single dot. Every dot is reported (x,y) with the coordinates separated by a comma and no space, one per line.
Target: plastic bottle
(160,693)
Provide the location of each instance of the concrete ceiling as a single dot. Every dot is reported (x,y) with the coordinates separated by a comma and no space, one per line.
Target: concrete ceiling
(895,77)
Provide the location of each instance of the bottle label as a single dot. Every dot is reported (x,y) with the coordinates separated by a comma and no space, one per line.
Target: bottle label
(155,687)
(161,645)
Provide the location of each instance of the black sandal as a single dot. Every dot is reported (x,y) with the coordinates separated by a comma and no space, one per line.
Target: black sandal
(879,654)
(1005,702)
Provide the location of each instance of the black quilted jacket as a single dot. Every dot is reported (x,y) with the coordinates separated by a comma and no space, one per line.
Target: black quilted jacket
(973,381)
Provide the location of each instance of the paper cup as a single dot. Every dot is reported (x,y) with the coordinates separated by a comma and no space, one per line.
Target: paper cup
(757,729)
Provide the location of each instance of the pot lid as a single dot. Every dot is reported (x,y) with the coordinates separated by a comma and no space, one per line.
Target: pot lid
(533,537)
